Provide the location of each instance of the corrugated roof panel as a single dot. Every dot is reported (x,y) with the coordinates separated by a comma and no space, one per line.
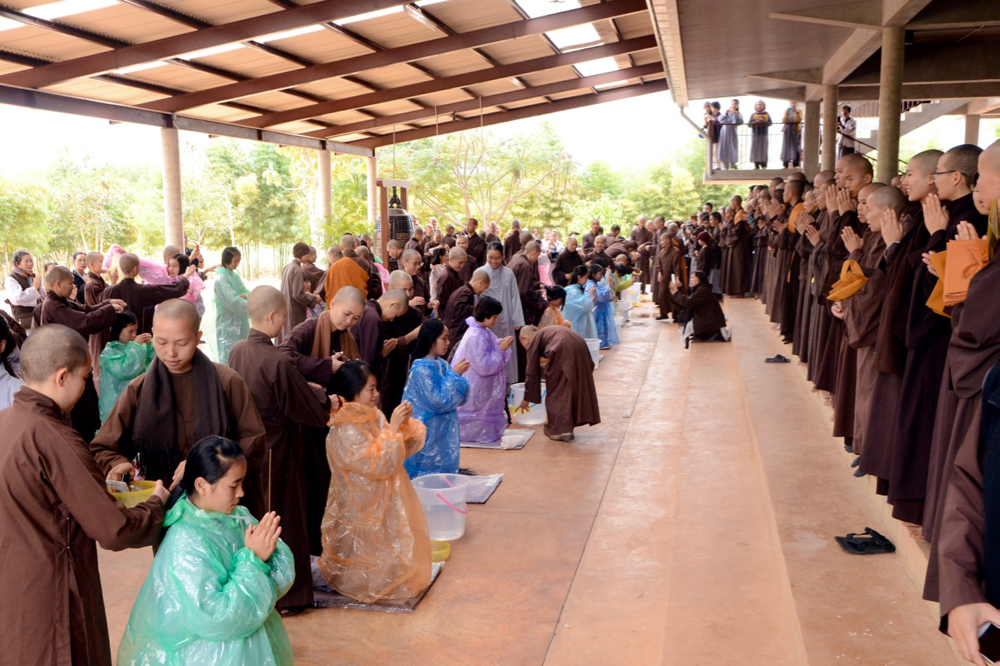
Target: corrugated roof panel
(321,46)
(494,87)
(394,76)
(249,62)
(392,108)
(516,50)
(223,11)
(128,23)
(334,88)
(277,101)
(550,76)
(468,15)
(394,30)
(106,92)
(344,117)
(216,112)
(36,41)
(178,76)
(456,62)
(645,57)
(634,25)
(444,97)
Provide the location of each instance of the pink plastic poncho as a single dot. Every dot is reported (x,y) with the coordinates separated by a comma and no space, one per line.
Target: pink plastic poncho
(376,544)
(482,417)
(151,272)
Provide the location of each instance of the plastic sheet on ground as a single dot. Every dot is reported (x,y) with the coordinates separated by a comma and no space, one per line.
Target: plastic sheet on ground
(512,439)
(326,597)
(481,488)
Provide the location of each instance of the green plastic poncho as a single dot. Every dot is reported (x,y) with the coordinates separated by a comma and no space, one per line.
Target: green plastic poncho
(232,321)
(120,364)
(208,600)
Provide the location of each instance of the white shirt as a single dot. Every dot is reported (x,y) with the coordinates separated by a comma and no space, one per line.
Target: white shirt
(27,297)
(847,127)
(8,387)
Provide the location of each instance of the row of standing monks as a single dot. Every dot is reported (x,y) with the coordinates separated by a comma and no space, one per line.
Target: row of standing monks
(850,272)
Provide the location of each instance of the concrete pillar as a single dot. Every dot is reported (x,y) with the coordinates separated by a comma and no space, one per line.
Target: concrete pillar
(810,142)
(890,93)
(972,129)
(173,213)
(323,194)
(372,190)
(829,128)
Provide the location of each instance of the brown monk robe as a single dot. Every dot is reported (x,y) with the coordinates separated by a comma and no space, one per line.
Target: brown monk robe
(567,260)
(669,262)
(736,257)
(524,266)
(804,249)
(58,308)
(142,299)
(53,507)
(512,243)
(311,346)
(775,217)
(316,275)
(927,336)
(285,402)
(451,278)
(789,262)
(181,398)
(571,398)
(404,329)
(760,253)
(819,311)
(93,294)
(646,241)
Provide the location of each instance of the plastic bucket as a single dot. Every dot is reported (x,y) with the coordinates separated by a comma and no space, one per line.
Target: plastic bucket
(536,412)
(594,345)
(619,321)
(442,497)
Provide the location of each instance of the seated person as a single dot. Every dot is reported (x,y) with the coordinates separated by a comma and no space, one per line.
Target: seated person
(124,358)
(703,316)
(376,544)
(209,597)
(436,390)
(483,418)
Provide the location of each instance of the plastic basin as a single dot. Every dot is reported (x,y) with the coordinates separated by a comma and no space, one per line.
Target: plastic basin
(442,497)
(594,345)
(144,490)
(536,412)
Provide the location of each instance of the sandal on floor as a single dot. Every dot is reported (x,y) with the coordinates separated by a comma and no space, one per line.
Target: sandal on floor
(869,543)
(291,611)
(777,359)
(465,471)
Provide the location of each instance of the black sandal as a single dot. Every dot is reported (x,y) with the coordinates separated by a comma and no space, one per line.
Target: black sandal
(870,543)
(778,359)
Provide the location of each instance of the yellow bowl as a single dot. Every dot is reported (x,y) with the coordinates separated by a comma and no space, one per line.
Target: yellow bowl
(136,497)
(440,550)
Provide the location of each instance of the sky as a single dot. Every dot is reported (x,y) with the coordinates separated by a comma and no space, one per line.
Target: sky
(628,133)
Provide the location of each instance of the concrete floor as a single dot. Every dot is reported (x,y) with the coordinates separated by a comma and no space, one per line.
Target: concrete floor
(694,526)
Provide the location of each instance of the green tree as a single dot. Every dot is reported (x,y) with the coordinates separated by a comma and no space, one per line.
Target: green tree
(24,218)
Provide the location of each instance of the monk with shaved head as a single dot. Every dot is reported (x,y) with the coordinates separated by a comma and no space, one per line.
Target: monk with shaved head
(404,329)
(142,299)
(54,506)
(285,402)
(348,271)
(182,398)
(966,508)
(450,279)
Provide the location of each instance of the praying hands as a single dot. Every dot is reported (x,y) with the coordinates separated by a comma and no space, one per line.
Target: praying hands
(935,214)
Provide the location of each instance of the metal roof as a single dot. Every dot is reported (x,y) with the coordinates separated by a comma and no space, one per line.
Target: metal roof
(347,75)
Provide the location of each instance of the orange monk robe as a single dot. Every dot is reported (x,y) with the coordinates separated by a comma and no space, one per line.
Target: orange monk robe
(345,272)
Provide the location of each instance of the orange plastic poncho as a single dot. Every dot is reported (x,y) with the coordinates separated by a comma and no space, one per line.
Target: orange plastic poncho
(376,545)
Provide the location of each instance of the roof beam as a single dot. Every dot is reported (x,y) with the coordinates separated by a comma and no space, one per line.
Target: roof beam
(516,114)
(864,14)
(651,69)
(34,99)
(466,40)
(978,107)
(924,91)
(666,24)
(965,62)
(799,76)
(226,33)
(968,14)
(797,93)
(452,82)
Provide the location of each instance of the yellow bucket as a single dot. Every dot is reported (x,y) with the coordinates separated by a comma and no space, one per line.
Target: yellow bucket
(440,550)
(143,490)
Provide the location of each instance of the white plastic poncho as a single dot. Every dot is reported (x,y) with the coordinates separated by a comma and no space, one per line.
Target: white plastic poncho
(232,321)
(503,287)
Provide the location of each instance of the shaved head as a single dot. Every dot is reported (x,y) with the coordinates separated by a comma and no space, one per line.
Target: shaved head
(925,162)
(264,300)
(526,334)
(49,349)
(457,253)
(480,276)
(400,280)
(180,311)
(349,296)
(887,197)
(532,247)
(94,257)
(57,274)
(964,159)
(170,251)
(334,253)
(348,242)
(411,255)
(128,263)
(989,174)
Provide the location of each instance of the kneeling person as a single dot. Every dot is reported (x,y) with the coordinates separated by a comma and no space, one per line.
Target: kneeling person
(571,398)
(182,398)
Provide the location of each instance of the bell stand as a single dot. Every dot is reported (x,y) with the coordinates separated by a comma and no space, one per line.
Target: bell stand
(383,185)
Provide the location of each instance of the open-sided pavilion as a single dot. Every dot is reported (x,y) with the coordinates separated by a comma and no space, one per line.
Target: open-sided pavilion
(349,76)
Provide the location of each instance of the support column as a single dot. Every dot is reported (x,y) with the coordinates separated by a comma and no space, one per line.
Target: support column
(173,213)
(971,129)
(372,190)
(890,104)
(810,142)
(829,128)
(323,196)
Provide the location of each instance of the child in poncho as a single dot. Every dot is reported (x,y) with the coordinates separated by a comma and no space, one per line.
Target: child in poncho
(125,357)
(232,321)
(210,595)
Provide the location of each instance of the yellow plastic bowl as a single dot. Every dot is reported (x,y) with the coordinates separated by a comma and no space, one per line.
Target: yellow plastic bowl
(440,550)
(136,497)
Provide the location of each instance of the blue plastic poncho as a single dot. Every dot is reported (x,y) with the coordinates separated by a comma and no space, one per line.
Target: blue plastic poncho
(482,418)
(579,311)
(209,600)
(604,311)
(436,391)
(120,364)
(232,321)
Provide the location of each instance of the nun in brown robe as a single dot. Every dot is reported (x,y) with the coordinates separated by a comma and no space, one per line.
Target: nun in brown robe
(760,252)
(736,258)
(927,336)
(790,266)
(53,508)
(284,401)
(669,262)
(642,236)
(803,306)
(398,362)
(93,295)
(571,398)
(973,350)
(142,299)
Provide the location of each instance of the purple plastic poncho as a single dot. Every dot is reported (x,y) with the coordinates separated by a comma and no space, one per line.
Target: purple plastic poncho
(482,417)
